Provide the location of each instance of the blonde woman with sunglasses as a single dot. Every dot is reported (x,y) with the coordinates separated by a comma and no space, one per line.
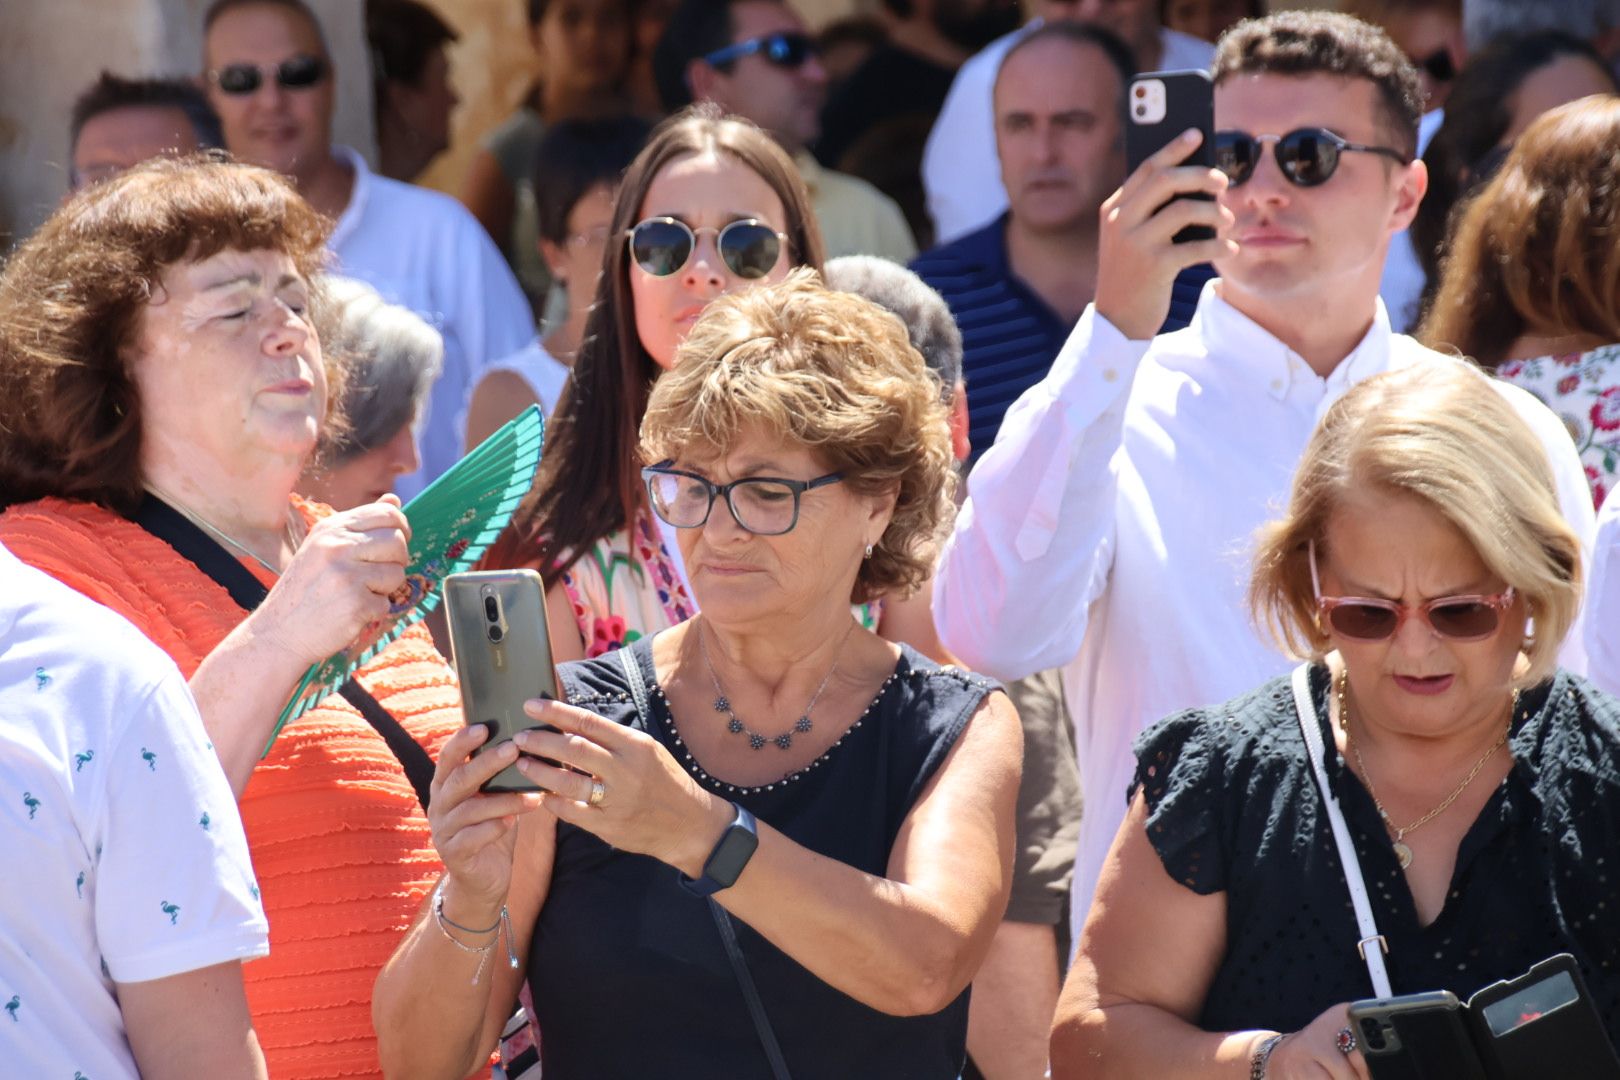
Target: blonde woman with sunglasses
(1425,574)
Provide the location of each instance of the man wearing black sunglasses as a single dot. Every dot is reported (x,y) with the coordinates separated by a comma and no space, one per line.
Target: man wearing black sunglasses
(270,78)
(755,59)
(1108,528)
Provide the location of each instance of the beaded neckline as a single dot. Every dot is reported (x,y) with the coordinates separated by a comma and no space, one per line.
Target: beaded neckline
(697,770)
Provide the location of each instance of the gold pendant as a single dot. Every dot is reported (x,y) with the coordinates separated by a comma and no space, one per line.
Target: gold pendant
(1403,854)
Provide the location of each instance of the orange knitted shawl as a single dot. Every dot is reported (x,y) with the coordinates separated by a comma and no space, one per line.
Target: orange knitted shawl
(339,843)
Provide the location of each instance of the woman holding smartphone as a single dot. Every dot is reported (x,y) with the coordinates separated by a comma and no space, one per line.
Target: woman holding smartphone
(1477,781)
(794,801)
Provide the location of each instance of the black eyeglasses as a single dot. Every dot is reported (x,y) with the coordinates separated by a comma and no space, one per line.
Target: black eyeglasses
(1438,65)
(1307,157)
(662,246)
(294,73)
(764,505)
(785,49)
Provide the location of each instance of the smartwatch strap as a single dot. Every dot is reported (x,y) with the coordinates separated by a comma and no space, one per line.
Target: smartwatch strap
(1372,945)
(722,919)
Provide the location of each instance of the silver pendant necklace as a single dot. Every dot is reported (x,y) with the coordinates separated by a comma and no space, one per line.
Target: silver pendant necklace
(734,724)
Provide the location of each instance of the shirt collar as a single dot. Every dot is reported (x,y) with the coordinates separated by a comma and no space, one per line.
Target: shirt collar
(350,218)
(1246,345)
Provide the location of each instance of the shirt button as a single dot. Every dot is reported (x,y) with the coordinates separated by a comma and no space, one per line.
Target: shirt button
(1109,375)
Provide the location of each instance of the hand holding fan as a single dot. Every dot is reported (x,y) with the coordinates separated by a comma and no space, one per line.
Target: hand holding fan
(452,522)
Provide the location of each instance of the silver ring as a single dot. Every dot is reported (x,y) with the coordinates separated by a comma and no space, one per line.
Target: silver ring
(598,792)
(1345,1041)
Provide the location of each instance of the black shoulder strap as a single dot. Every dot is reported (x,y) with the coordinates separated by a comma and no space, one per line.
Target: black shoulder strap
(203,551)
(722,919)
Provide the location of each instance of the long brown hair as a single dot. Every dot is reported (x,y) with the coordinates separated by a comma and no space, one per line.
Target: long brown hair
(589,483)
(1539,250)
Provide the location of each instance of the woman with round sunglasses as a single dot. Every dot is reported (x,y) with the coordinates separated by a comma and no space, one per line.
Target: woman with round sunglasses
(711,205)
(767,803)
(1423,571)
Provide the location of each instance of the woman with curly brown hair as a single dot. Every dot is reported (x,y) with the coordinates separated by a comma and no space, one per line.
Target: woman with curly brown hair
(845,806)
(162,388)
(1531,289)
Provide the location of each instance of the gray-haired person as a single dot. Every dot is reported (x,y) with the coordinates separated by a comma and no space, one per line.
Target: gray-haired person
(393,357)
(1016,989)
(928,322)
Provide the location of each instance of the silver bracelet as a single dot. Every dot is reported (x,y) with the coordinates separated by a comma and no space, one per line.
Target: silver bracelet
(503,923)
(1262,1054)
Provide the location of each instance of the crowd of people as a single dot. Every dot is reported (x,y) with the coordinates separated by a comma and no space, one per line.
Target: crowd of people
(909,474)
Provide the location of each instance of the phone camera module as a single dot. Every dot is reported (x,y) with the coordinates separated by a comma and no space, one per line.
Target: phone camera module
(1372,1033)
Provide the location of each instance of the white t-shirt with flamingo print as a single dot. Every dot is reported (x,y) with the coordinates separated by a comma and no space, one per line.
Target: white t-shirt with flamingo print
(124,853)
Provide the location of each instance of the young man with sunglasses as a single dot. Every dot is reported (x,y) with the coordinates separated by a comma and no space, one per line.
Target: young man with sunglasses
(1108,529)
(755,59)
(270,78)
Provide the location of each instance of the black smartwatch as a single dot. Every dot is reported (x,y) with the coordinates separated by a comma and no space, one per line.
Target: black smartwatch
(732,852)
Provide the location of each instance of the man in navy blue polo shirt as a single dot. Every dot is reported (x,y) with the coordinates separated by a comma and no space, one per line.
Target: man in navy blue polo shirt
(1018,285)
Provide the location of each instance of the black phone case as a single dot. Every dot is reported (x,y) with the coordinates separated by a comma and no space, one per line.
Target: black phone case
(1435,1041)
(1569,1042)
(1189,103)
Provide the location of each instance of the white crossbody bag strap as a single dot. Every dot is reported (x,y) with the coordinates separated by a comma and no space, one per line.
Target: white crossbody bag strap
(1372,945)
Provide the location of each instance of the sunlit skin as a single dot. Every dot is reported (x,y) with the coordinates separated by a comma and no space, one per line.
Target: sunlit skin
(577,263)
(1301,251)
(585,46)
(1566,79)
(289,131)
(740,579)
(702,190)
(227,367)
(784,101)
(115,140)
(1422,34)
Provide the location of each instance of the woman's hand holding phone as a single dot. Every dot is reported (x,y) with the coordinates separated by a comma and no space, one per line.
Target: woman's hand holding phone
(1312,1053)
(1137,257)
(475,833)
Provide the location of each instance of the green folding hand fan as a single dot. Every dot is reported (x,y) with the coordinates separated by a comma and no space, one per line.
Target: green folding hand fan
(452,522)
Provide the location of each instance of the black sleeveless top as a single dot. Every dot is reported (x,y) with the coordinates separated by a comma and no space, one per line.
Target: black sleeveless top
(627,969)
(1233,808)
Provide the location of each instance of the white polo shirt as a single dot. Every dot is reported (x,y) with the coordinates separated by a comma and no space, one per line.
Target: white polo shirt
(124,851)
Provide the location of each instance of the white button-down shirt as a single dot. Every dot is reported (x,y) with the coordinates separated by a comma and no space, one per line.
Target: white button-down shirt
(1110,528)
(961,172)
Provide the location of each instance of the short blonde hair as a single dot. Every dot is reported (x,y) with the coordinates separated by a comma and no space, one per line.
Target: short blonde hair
(1439,431)
(831,372)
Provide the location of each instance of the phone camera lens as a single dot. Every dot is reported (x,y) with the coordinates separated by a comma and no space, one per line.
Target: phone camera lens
(1141,91)
(496,634)
(492,610)
(1372,1034)
(1141,110)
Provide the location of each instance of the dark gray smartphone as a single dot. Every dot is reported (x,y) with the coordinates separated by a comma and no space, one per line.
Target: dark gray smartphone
(502,653)
(1159,106)
(1416,1037)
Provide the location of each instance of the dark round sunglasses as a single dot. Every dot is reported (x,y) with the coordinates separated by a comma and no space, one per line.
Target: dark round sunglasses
(1307,156)
(785,49)
(294,73)
(662,246)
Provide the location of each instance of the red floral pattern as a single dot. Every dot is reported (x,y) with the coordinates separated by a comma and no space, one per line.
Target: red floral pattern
(1583,389)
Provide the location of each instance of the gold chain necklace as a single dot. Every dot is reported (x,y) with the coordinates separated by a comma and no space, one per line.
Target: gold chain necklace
(1403,853)
(220,534)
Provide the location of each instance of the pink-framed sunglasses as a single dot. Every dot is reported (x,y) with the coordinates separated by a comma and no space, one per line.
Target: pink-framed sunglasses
(1361,618)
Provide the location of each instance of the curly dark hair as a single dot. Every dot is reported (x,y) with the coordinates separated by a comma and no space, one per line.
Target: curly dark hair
(71,300)
(1327,43)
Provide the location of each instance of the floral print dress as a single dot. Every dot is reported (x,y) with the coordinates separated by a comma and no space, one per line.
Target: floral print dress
(1583,389)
